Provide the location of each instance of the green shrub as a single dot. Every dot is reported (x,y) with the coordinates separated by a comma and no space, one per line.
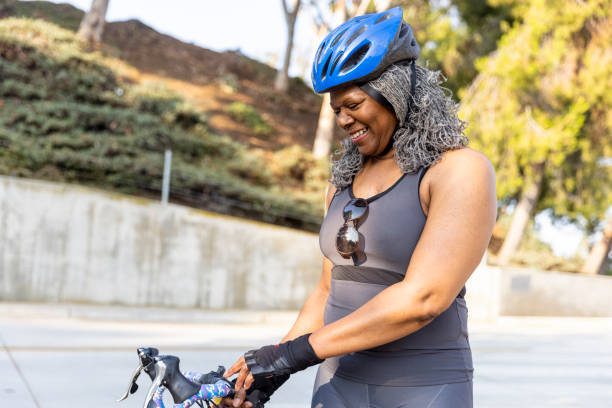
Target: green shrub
(293,162)
(67,116)
(64,15)
(247,115)
(297,165)
(251,166)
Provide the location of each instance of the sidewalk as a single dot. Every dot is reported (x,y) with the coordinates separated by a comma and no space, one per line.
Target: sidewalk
(71,356)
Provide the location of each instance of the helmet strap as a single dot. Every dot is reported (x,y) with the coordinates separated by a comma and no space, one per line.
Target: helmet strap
(411,107)
(389,145)
(377,96)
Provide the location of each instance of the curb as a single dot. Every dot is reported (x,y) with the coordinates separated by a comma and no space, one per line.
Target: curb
(145,314)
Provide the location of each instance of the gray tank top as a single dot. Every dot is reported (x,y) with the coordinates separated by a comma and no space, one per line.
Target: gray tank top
(438,353)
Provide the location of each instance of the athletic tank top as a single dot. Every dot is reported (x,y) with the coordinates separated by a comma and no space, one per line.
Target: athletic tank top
(438,353)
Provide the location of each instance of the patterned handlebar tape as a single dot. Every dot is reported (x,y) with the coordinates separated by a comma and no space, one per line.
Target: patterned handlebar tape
(208,392)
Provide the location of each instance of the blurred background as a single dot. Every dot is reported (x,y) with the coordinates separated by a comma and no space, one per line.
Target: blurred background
(157,155)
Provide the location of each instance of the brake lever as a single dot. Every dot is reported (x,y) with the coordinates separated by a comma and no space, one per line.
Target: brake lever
(132,386)
(157,382)
(146,356)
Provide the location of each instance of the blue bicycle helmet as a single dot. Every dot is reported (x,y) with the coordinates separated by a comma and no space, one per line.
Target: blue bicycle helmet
(362,48)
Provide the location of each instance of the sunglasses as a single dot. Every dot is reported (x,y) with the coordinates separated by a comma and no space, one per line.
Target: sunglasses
(347,240)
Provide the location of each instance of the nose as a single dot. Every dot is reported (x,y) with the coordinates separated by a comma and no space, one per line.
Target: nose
(344,120)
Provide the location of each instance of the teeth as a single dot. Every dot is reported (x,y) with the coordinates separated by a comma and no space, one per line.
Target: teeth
(358,133)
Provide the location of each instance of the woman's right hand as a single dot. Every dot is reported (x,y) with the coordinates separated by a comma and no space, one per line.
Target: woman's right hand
(243,382)
(229,402)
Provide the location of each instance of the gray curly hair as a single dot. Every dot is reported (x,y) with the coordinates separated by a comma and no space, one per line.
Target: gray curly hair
(432,129)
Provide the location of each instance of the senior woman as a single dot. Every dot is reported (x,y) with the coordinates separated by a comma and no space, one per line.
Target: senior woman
(410,214)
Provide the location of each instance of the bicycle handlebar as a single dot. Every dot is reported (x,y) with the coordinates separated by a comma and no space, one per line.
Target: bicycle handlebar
(165,374)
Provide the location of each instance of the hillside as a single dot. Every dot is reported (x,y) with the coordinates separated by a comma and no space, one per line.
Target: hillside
(104,117)
(212,80)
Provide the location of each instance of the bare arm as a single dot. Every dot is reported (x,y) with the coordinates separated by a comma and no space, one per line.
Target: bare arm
(461,209)
(309,320)
(461,215)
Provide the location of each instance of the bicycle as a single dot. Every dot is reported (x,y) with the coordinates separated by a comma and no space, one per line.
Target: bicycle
(191,388)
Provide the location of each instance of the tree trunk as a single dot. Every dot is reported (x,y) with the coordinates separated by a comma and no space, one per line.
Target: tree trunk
(282,77)
(597,261)
(92,25)
(382,5)
(325,130)
(522,214)
(327,119)
(361,7)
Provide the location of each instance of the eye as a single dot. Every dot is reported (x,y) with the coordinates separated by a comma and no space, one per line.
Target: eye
(353,106)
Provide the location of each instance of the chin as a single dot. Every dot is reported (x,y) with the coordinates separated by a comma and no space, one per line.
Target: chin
(366,150)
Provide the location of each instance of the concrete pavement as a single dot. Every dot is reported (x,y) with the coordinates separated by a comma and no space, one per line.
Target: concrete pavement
(72,356)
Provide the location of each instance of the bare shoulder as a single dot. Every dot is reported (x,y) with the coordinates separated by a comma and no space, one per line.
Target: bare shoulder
(459,169)
(467,164)
(465,159)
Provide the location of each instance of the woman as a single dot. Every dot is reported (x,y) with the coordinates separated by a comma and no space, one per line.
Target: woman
(410,214)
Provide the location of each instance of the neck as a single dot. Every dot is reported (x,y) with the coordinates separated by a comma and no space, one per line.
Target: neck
(385,153)
(384,156)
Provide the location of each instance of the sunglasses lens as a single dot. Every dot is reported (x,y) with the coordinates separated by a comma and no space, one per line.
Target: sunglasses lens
(355,209)
(347,241)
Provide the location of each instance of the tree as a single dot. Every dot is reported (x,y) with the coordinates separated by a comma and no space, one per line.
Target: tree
(282,78)
(326,124)
(453,35)
(598,259)
(446,45)
(540,109)
(92,25)
(382,4)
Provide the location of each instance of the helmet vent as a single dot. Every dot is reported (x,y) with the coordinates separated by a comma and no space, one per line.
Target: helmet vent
(333,67)
(356,57)
(338,37)
(382,18)
(318,57)
(355,35)
(324,71)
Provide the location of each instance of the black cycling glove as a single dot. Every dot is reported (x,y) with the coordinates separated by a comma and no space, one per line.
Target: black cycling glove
(262,389)
(282,359)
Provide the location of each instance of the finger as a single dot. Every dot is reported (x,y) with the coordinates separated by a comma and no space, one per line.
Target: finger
(235,367)
(249,381)
(242,375)
(227,402)
(239,397)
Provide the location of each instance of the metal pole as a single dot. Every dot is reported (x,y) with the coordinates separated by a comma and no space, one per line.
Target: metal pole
(166,181)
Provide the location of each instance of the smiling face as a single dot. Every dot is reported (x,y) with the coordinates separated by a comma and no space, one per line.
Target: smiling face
(367,123)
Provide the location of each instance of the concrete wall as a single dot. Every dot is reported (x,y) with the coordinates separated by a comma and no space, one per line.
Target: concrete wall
(61,243)
(509,291)
(529,292)
(482,295)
